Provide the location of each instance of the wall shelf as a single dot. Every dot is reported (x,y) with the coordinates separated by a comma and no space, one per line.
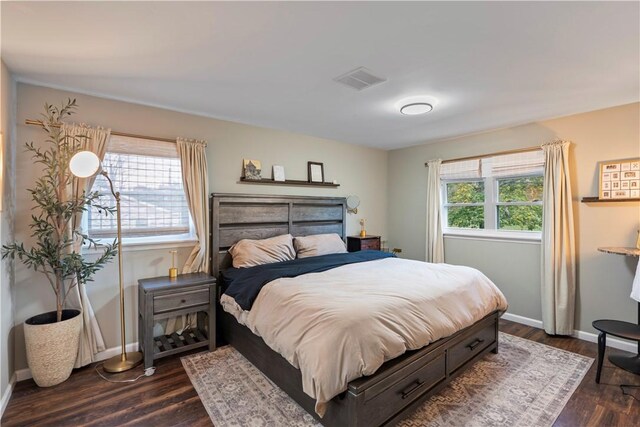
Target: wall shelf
(597,200)
(268,181)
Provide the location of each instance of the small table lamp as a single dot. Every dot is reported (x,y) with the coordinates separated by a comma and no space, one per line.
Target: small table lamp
(85,164)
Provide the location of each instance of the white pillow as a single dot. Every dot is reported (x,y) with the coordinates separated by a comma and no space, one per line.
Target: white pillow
(249,253)
(319,244)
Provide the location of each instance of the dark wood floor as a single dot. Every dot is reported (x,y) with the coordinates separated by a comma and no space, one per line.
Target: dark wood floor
(168,399)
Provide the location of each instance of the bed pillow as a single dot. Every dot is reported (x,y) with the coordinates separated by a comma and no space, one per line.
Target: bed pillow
(249,253)
(319,244)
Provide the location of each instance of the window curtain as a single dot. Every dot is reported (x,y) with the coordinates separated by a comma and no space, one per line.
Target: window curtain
(91,340)
(558,243)
(435,241)
(196,189)
(195,180)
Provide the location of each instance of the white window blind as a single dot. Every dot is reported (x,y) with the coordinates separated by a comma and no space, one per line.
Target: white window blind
(526,163)
(149,178)
(464,169)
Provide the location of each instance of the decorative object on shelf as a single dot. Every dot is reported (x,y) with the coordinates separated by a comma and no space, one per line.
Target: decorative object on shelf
(352,204)
(363,232)
(86,164)
(278,173)
(173,271)
(251,169)
(315,171)
(619,179)
(52,338)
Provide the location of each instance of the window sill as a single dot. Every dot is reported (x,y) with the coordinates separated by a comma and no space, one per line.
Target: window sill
(495,235)
(135,245)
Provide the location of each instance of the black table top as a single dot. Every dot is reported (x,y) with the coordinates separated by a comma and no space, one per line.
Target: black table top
(618,328)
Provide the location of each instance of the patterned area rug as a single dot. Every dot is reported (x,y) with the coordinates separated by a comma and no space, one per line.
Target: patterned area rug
(526,384)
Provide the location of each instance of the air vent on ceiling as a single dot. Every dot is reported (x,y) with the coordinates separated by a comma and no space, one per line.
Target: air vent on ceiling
(359,79)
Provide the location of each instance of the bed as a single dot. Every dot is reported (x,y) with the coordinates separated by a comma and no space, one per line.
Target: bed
(400,384)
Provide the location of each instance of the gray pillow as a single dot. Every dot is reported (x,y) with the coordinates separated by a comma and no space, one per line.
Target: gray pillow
(319,244)
(249,253)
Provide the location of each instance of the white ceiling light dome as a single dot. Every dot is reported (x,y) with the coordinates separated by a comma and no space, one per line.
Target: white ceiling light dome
(416,108)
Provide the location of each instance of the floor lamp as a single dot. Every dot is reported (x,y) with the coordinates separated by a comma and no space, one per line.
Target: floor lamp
(85,164)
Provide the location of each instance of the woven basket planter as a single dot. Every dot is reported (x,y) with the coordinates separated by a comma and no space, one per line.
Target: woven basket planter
(52,347)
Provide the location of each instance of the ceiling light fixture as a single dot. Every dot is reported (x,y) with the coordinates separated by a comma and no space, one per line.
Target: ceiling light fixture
(416,108)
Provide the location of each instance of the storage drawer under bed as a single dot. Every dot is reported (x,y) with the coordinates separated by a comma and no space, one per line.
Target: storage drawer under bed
(389,397)
(426,371)
(470,345)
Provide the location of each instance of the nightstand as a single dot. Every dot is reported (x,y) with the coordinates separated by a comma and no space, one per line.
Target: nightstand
(357,243)
(161,298)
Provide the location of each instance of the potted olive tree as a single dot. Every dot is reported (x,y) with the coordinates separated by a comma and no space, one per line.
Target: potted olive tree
(52,338)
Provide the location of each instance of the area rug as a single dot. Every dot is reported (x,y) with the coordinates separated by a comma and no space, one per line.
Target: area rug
(526,384)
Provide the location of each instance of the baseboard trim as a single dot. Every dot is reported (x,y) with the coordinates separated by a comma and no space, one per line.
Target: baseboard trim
(523,320)
(25,374)
(7,394)
(620,344)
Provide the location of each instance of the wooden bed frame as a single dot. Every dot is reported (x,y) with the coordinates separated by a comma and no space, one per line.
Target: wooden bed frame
(401,384)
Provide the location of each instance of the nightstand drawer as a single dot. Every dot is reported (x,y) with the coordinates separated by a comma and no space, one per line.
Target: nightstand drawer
(357,243)
(370,244)
(180,300)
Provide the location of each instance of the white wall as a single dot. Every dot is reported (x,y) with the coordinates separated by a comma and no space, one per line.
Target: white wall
(7,127)
(604,280)
(359,170)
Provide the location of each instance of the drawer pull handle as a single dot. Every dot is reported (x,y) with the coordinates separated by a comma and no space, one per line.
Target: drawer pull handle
(474,344)
(412,388)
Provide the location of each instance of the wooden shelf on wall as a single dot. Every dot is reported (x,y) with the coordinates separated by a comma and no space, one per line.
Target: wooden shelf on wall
(268,181)
(597,200)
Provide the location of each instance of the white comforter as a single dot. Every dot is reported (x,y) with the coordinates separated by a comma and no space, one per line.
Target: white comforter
(344,323)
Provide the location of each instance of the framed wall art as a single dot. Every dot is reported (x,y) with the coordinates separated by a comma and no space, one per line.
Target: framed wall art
(278,173)
(251,169)
(315,172)
(619,179)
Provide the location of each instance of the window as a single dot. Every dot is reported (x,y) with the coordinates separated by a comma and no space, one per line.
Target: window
(519,203)
(149,178)
(465,204)
(501,193)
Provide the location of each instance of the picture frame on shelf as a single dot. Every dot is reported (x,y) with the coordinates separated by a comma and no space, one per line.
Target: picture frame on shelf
(278,173)
(315,171)
(252,169)
(619,179)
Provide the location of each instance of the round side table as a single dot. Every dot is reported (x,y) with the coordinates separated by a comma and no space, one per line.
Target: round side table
(618,328)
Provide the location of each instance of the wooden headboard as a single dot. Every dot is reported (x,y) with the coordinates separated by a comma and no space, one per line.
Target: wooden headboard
(234,217)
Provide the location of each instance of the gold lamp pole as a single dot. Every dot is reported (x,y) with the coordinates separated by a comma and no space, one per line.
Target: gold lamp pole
(85,164)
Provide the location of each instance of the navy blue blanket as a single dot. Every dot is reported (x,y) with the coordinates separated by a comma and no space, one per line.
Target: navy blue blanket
(244,284)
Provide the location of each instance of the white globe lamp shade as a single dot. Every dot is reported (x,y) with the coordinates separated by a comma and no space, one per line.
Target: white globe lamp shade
(84,164)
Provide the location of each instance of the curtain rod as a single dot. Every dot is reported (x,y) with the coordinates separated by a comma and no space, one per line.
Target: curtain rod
(498,153)
(129,135)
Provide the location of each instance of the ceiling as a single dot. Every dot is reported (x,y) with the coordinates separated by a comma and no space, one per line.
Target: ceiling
(488,65)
